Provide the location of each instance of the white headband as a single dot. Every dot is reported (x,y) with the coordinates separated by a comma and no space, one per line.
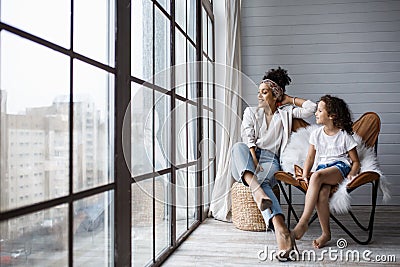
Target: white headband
(276,89)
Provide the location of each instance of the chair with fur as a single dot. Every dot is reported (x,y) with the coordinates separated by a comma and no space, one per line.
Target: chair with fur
(366,130)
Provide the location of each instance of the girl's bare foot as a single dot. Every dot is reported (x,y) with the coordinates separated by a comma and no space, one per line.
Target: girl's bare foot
(300,230)
(321,241)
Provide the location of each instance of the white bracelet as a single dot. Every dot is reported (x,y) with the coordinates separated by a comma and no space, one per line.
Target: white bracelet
(294,101)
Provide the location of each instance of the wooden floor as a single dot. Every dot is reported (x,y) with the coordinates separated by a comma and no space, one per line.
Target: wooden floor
(216,243)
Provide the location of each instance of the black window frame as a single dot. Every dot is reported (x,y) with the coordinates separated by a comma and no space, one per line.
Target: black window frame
(121,187)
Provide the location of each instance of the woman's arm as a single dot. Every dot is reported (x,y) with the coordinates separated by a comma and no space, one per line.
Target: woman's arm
(303,108)
(247,128)
(296,101)
(248,135)
(255,161)
(355,166)
(308,163)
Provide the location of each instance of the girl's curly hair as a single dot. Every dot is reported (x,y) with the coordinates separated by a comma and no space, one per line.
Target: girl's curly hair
(279,76)
(338,109)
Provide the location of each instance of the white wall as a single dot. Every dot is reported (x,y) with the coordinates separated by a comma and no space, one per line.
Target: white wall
(350,49)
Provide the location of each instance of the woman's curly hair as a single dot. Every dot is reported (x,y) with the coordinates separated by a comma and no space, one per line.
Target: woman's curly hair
(338,109)
(279,76)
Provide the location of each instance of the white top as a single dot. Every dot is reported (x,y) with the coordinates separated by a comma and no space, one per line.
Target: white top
(274,137)
(332,148)
(272,134)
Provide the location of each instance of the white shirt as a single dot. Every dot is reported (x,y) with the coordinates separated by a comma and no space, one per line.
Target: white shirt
(332,148)
(281,123)
(271,135)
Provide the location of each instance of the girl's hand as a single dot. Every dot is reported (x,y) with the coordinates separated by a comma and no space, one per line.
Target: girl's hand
(351,177)
(305,179)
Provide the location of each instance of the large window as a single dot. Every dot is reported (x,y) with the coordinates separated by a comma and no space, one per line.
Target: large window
(170,111)
(94,166)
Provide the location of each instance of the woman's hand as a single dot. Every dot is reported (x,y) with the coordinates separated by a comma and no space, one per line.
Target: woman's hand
(259,168)
(287,99)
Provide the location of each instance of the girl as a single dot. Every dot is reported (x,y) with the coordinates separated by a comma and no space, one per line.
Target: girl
(338,160)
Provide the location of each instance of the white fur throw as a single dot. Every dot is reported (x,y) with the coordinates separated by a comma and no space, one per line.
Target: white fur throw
(296,152)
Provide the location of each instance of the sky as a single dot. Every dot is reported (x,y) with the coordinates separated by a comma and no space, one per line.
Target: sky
(33,75)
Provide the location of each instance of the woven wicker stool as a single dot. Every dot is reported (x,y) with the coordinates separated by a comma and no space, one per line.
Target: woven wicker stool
(245,213)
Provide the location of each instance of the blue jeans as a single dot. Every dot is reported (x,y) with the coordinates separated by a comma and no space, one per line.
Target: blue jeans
(342,167)
(242,161)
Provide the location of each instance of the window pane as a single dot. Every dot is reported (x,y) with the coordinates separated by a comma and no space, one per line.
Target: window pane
(205,142)
(192,132)
(142,221)
(180,61)
(181,135)
(165,4)
(93,37)
(141,130)
(191,9)
(142,39)
(204,31)
(206,187)
(162,131)
(204,65)
(210,39)
(211,81)
(205,145)
(205,86)
(192,72)
(212,135)
(93,228)
(192,194)
(91,126)
(35,123)
(180,13)
(181,201)
(162,50)
(32,17)
(37,239)
(162,210)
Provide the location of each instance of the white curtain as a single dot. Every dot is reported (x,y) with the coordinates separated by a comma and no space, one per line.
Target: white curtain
(220,206)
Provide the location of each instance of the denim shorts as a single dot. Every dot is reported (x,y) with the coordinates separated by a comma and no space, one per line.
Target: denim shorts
(342,167)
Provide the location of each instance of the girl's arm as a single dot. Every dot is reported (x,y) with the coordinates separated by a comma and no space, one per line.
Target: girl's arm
(308,163)
(355,166)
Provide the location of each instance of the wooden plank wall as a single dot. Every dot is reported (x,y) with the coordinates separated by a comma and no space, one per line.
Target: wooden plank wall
(350,49)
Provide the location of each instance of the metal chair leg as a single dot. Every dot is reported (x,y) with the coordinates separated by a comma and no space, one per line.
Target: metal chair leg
(370,226)
(289,202)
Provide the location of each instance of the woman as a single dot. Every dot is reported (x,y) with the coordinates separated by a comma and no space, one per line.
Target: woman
(265,134)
